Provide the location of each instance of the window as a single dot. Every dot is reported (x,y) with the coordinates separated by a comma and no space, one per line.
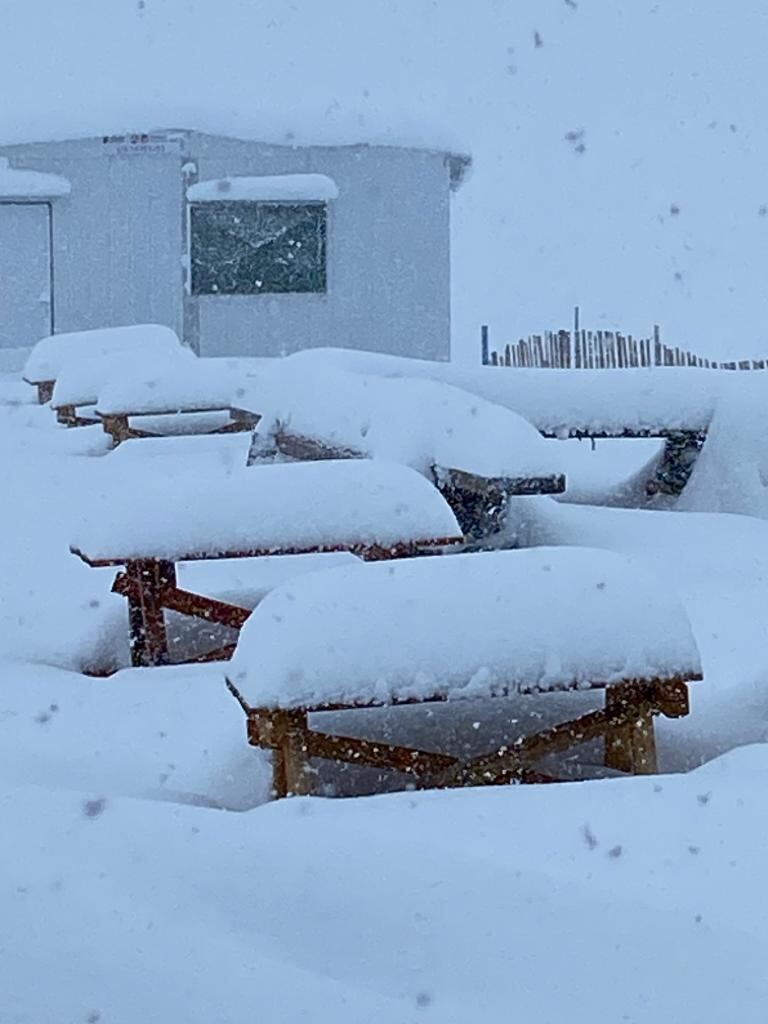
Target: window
(248,248)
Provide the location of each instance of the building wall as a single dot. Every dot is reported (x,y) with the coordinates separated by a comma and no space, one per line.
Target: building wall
(118,247)
(116,237)
(388,255)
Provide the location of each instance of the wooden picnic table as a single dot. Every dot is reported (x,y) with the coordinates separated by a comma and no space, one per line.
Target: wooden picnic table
(374,510)
(479,502)
(464,627)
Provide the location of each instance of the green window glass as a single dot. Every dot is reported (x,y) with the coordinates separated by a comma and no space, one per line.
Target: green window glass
(249,248)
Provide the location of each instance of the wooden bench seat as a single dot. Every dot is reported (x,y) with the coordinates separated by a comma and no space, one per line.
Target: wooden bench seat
(174,419)
(467,626)
(374,510)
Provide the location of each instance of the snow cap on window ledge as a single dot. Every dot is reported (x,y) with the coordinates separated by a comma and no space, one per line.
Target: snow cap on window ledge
(23,184)
(267,188)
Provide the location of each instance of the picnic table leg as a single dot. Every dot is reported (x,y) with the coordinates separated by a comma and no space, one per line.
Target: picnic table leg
(146,581)
(632,747)
(291,773)
(117,427)
(67,415)
(45,391)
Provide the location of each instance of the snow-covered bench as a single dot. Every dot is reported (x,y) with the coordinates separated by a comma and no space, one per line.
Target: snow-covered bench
(148,524)
(80,382)
(674,404)
(460,627)
(53,354)
(196,397)
(478,453)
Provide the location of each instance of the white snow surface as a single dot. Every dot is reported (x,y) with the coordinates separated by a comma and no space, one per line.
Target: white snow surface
(671,398)
(451,905)
(731,472)
(174,734)
(419,422)
(192,384)
(461,626)
(186,515)
(19,183)
(53,354)
(81,380)
(221,450)
(266,188)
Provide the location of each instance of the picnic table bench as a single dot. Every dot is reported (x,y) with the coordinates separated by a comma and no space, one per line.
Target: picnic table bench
(375,510)
(467,626)
(50,356)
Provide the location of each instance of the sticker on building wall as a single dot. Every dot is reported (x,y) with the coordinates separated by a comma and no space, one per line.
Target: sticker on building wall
(147,144)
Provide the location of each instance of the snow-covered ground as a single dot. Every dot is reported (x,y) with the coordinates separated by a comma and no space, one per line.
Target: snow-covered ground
(146,877)
(639,900)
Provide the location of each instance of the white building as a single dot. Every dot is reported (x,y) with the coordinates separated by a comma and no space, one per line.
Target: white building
(242,247)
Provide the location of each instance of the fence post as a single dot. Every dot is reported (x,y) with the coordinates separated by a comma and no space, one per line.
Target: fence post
(484,345)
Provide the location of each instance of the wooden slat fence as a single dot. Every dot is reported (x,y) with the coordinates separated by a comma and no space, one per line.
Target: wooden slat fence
(600,350)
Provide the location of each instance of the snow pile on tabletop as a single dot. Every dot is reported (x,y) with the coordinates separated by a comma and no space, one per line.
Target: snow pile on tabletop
(167,734)
(51,355)
(20,183)
(731,472)
(264,508)
(81,380)
(640,899)
(558,401)
(170,386)
(266,188)
(544,619)
(420,423)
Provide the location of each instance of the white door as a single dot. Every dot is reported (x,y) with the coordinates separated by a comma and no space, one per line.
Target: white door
(25,274)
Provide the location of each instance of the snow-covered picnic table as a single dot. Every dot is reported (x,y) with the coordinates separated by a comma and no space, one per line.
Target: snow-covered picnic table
(196,397)
(675,404)
(561,403)
(477,452)
(52,355)
(149,523)
(418,422)
(80,382)
(459,627)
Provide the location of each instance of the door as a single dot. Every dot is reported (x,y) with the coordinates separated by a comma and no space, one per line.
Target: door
(25,274)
